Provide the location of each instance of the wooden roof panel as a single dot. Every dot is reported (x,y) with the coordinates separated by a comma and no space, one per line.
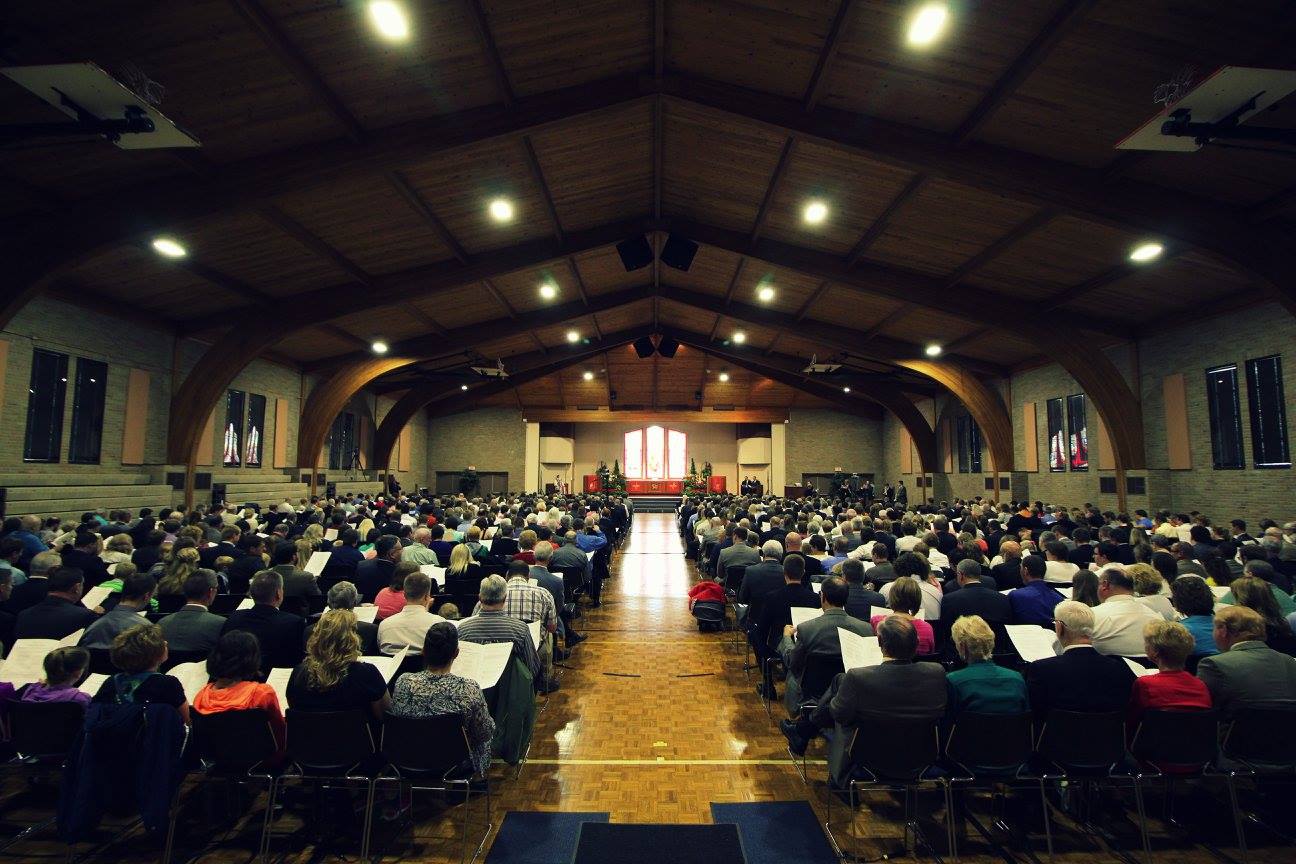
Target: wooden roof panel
(1061,254)
(712,271)
(602,271)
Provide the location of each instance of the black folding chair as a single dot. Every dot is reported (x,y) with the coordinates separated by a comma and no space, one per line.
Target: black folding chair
(1087,749)
(732,585)
(327,748)
(101,662)
(573,581)
(819,672)
(1258,743)
(1187,740)
(175,658)
(42,734)
(896,755)
(433,754)
(234,747)
(989,752)
(168,603)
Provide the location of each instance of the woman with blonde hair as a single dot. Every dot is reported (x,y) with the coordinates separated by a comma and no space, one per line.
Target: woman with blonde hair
(982,687)
(117,548)
(303,550)
(1150,589)
(463,574)
(182,565)
(315,534)
(332,677)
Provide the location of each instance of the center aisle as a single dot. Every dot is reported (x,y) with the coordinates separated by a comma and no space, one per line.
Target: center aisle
(654,720)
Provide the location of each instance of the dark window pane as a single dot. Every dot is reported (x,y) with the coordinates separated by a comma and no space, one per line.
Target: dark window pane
(88,411)
(974,446)
(233,437)
(255,429)
(1225,417)
(341,444)
(1268,413)
(1077,433)
(1057,436)
(45,399)
(960,433)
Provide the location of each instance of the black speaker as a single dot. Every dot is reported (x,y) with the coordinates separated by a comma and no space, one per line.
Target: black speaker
(667,347)
(644,347)
(218,493)
(636,253)
(678,252)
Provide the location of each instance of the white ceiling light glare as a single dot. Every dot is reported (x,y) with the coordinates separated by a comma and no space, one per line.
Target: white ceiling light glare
(463,386)
(501,210)
(573,336)
(933,350)
(379,347)
(389,19)
(588,376)
(765,293)
(1146,252)
(724,377)
(169,247)
(549,291)
(927,24)
(739,338)
(815,212)
(845,389)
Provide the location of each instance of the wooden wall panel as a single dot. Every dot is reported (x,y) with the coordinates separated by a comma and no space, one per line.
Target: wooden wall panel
(135,417)
(1030,438)
(281,434)
(1175,394)
(1106,459)
(206,451)
(406,444)
(906,452)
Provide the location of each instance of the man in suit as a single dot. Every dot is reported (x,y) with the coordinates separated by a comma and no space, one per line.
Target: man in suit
(192,628)
(1080,679)
(897,688)
(60,613)
(249,561)
(1033,602)
(31,592)
(882,571)
(376,573)
(137,591)
(345,553)
(343,595)
(297,582)
(816,638)
(760,580)
(740,554)
(1246,673)
(774,612)
(227,546)
(860,598)
(84,556)
(973,597)
(902,495)
(280,633)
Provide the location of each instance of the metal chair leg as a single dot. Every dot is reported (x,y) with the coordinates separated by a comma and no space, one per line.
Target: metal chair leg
(1142,815)
(1048,821)
(1238,821)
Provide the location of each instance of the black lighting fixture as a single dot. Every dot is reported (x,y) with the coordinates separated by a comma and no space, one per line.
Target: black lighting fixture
(636,253)
(644,347)
(666,347)
(678,252)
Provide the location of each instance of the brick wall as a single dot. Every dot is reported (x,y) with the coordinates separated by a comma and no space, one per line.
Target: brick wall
(491,439)
(818,441)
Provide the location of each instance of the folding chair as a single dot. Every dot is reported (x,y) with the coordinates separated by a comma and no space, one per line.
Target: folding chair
(168,603)
(42,734)
(446,767)
(989,751)
(1185,739)
(819,672)
(1258,743)
(101,662)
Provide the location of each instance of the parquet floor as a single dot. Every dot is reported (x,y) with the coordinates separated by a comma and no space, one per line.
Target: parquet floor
(653,722)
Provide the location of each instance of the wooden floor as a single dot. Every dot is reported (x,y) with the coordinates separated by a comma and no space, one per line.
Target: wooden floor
(653,722)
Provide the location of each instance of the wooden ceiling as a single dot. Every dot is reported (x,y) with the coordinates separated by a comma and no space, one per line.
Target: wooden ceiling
(343,174)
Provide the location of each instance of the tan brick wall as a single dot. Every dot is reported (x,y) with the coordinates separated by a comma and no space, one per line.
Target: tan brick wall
(818,441)
(491,439)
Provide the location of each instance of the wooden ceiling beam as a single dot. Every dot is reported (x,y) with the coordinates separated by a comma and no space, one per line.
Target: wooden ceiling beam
(1020,232)
(814,90)
(874,231)
(481,26)
(1063,21)
(537,176)
(659,37)
(286,53)
(424,211)
(313,244)
(1273,206)
(666,415)
(658,135)
(771,189)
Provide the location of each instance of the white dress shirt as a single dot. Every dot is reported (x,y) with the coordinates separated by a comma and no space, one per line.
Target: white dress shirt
(1059,572)
(406,629)
(1118,625)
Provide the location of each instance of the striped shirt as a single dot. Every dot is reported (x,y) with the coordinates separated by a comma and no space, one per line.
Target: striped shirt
(487,627)
(527,603)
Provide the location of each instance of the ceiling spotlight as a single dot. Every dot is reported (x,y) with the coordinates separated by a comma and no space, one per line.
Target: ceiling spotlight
(388,18)
(169,247)
(549,291)
(815,212)
(928,24)
(588,376)
(379,347)
(463,386)
(739,337)
(932,350)
(765,294)
(845,389)
(573,336)
(1145,252)
(724,377)
(501,210)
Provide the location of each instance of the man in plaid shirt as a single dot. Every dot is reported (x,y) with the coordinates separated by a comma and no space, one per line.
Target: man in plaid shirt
(527,603)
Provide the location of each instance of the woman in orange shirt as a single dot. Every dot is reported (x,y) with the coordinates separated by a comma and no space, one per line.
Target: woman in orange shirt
(234,670)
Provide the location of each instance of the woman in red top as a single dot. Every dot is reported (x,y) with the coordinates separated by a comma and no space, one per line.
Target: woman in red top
(1168,644)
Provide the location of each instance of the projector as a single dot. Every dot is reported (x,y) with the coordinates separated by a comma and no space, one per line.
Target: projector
(496,371)
(816,367)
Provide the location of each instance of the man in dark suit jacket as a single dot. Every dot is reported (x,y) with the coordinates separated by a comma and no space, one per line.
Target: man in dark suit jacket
(31,592)
(280,633)
(297,582)
(346,553)
(775,612)
(376,573)
(84,556)
(860,598)
(248,561)
(60,614)
(1007,573)
(1080,679)
(817,638)
(897,688)
(882,570)
(192,628)
(760,580)
(973,597)
(1247,673)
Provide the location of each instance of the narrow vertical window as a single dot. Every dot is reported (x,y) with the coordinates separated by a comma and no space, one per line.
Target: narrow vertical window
(255,427)
(961,433)
(634,454)
(1077,433)
(88,412)
(1225,417)
(675,446)
(1268,413)
(231,446)
(46,395)
(1057,436)
(974,446)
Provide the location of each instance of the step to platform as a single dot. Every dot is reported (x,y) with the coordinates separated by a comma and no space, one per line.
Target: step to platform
(655,503)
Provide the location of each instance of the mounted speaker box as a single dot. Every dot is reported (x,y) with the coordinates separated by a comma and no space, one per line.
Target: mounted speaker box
(635,253)
(644,347)
(678,252)
(667,347)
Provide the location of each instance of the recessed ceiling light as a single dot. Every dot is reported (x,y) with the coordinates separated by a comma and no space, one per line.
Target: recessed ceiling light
(1145,252)
(926,26)
(933,350)
(765,294)
(815,212)
(724,377)
(463,386)
(501,209)
(588,376)
(379,347)
(845,389)
(573,336)
(548,291)
(739,337)
(169,247)
(388,18)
